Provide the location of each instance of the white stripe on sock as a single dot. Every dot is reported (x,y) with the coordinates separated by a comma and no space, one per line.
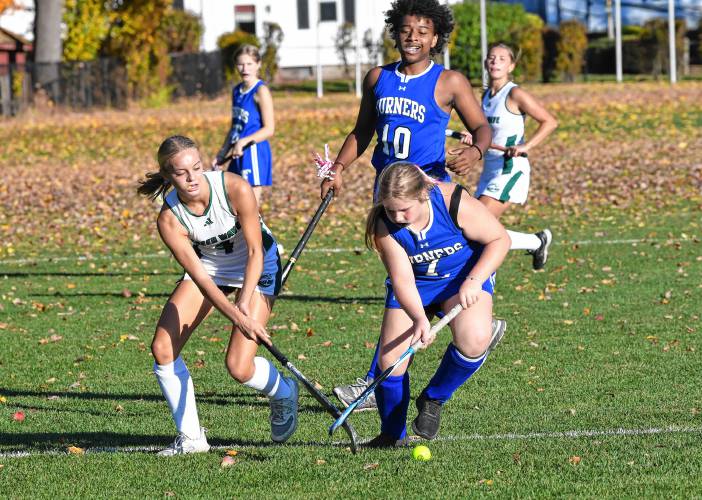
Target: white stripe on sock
(267,379)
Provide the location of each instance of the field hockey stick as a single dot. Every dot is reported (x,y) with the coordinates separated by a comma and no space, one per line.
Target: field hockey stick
(388,371)
(504,149)
(455,134)
(282,359)
(306,235)
(230,154)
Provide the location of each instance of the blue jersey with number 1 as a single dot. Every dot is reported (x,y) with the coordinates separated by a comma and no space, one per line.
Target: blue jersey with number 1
(410,124)
(440,254)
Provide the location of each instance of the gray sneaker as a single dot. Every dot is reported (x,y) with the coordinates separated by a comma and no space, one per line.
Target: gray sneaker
(284,413)
(348,393)
(183,444)
(499,326)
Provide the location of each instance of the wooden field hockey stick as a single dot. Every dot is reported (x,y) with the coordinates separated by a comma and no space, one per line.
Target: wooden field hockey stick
(282,359)
(388,371)
(455,134)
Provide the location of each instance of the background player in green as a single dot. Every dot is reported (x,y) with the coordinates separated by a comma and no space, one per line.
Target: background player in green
(506,169)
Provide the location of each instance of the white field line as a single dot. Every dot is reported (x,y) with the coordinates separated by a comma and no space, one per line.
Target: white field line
(132,257)
(511,436)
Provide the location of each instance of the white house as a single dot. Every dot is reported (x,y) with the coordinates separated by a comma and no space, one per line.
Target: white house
(19,19)
(309,27)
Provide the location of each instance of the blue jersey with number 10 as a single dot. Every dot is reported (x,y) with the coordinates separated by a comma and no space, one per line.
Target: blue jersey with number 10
(410,124)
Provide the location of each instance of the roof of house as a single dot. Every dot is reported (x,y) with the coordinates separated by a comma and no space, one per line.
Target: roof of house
(13,39)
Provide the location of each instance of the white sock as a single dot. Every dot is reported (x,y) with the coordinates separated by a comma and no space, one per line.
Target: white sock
(267,379)
(177,387)
(524,241)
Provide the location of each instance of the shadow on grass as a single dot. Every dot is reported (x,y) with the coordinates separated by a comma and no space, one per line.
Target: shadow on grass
(337,300)
(25,274)
(286,297)
(243,400)
(56,443)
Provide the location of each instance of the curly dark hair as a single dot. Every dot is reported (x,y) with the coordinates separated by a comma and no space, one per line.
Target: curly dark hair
(440,15)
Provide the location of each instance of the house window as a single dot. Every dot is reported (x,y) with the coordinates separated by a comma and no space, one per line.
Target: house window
(303,14)
(327,11)
(245,18)
(350,11)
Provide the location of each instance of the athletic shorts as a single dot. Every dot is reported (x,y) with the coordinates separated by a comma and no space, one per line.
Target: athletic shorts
(230,274)
(256,165)
(504,181)
(435,293)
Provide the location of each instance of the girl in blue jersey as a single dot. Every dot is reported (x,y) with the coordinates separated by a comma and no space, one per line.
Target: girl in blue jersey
(407,104)
(252,121)
(440,247)
(211,224)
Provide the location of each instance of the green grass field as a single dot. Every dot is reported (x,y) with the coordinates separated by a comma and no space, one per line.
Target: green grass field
(593,391)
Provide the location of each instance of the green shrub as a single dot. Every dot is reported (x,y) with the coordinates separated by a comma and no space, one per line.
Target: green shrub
(134,38)
(390,53)
(654,41)
(181,31)
(531,43)
(509,23)
(570,48)
(87,23)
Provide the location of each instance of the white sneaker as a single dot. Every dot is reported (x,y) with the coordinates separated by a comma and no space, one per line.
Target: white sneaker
(347,394)
(284,413)
(183,444)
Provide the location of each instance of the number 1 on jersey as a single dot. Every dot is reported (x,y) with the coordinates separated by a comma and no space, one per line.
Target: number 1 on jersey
(400,142)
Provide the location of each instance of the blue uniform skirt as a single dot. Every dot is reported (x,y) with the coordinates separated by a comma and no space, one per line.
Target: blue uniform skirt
(256,165)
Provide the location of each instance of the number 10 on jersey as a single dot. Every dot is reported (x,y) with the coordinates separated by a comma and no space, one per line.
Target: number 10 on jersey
(400,142)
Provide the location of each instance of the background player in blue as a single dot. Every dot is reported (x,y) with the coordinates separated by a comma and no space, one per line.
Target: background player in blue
(408,103)
(211,224)
(252,120)
(440,247)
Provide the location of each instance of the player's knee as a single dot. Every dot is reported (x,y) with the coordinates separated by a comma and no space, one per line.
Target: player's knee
(240,371)
(474,344)
(162,351)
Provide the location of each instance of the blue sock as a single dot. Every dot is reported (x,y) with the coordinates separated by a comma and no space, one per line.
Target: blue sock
(393,397)
(374,364)
(454,370)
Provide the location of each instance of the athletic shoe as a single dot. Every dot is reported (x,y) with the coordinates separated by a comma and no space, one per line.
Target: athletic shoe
(426,423)
(183,444)
(499,326)
(540,255)
(284,413)
(347,394)
(387,441)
